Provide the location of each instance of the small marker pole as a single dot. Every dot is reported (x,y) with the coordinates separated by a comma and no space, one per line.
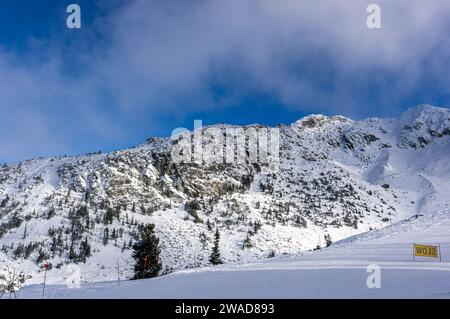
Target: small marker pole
(195,261)
(145,264)
(45,278)
(439,249)
(118,272)
(414,253)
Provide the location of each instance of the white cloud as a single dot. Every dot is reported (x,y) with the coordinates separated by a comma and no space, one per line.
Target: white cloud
(170,51)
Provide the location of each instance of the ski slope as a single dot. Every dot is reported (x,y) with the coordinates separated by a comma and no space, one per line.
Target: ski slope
(339,271)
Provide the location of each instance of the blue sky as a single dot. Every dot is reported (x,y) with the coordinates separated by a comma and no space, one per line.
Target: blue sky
(142,68)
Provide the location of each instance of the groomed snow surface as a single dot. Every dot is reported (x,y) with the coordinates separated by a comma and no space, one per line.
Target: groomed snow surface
(339,271)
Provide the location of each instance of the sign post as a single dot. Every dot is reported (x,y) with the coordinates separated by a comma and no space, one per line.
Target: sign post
(118,271)
(45,278)
(427,251)
(195,260)
(145,264)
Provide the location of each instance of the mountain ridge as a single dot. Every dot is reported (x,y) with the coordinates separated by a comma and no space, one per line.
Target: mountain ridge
(337,178)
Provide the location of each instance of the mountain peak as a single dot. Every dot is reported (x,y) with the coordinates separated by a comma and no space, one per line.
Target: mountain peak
(423,112)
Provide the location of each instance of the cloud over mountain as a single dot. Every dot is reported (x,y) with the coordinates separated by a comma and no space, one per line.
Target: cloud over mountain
(143,60)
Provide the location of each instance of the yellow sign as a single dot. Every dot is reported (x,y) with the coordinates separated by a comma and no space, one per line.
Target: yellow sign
(426,251)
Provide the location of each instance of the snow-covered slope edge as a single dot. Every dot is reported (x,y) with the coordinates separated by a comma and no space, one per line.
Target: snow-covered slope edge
(339,271)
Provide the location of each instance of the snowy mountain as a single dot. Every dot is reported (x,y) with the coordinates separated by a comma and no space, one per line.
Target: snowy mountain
(336,178)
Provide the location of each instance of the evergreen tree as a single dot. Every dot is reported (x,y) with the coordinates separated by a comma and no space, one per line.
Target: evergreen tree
(328,240)
(204,240)
(146,254)
(109,215)
(256,227)
(271,254)
(105,236)
(85,250)
(247,242)
(208,224)
(214,258)
(25,232)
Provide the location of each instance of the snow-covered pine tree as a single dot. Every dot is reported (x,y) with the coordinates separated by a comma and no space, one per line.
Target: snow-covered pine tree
(214,258)
(328,240)
(105,236)
(85,250)
(146,254)
(247,242)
